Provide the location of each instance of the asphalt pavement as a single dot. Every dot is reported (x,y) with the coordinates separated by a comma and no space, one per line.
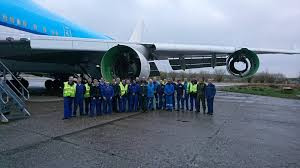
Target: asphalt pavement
(246,131)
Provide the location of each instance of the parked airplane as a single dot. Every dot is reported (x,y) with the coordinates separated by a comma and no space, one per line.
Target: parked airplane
(54,45)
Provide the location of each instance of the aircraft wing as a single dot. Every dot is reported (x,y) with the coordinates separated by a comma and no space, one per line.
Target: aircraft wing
(134,56)
(175,50)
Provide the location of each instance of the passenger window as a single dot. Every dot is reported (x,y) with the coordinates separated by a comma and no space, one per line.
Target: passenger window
(35,27)
(19,22)
(12,20)
(45,29)
(24,23)
(56,33)
(4,17)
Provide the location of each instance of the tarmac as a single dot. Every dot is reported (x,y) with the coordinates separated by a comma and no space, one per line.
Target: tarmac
(245,131)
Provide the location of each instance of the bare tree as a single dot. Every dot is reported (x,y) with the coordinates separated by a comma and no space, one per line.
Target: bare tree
(219,75)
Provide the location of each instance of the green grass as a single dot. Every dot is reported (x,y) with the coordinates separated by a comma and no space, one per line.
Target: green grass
(264,91)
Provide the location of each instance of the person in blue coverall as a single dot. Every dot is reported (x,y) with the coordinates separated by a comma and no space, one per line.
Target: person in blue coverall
(150,94)
(173,96)
(79,97)
(134,89)
(95,95)
(210,92)
(169,92)
(108,93)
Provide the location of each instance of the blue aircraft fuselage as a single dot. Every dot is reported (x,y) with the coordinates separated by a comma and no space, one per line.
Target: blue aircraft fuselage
(30,17)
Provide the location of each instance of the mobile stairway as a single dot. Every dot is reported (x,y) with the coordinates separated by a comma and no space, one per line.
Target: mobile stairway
(12,96)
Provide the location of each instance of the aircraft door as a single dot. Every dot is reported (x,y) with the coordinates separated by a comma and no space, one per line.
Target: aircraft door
(67,32)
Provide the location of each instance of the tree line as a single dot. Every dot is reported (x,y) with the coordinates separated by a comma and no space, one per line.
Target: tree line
(221,75)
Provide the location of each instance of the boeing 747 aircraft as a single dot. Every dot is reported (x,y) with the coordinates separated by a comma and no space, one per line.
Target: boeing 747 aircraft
(51,44)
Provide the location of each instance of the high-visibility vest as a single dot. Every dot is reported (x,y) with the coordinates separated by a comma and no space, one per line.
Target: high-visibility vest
(123,89)
(193,88)
(126,88)
(189,87)
(87,91)
(69,91)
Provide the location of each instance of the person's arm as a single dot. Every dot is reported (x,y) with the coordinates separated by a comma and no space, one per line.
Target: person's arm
(113,93)
(215,91)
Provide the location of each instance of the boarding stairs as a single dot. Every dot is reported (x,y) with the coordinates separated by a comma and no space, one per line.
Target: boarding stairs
(12,96)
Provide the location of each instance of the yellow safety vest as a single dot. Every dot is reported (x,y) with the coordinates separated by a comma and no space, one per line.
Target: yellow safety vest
(193,88)
(189,87)
(69,91)
(87,91)
(126,88)
(123,89)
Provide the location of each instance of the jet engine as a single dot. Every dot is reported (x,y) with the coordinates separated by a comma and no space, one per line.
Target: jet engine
(125,62)
(243,63)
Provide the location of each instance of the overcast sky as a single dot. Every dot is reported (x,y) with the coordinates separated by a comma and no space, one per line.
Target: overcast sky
(250,23)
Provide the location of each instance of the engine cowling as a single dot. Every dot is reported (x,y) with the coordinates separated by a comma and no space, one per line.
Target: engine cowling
(246,57)
(125,62)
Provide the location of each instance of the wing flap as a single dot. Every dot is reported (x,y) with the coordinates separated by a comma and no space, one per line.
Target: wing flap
(197,62)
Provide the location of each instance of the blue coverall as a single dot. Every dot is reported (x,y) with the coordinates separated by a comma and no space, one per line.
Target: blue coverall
(156,85)
(173,96)
(210,92)
(169,92)
(78,100)
(133,96)
(150,96)
(108,93)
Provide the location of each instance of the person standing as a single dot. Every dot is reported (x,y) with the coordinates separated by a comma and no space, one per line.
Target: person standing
(108,93)
(156,84)
(201,96)
(118,94)
(161,94)
(114,102)
(193,94)
(69,94)
(127,98)
(180,95)
(87,96)
(79,97)
(187,93)
(210,93)
(143,95)
(150,95)
(123,95)
(169,91)
(173,96)
(95,95)
(133,96)
(101,101)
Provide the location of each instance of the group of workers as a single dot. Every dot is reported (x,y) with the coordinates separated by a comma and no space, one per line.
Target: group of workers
(98,97)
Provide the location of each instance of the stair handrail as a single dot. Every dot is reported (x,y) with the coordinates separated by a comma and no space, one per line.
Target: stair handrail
(24,90)
(7,98)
